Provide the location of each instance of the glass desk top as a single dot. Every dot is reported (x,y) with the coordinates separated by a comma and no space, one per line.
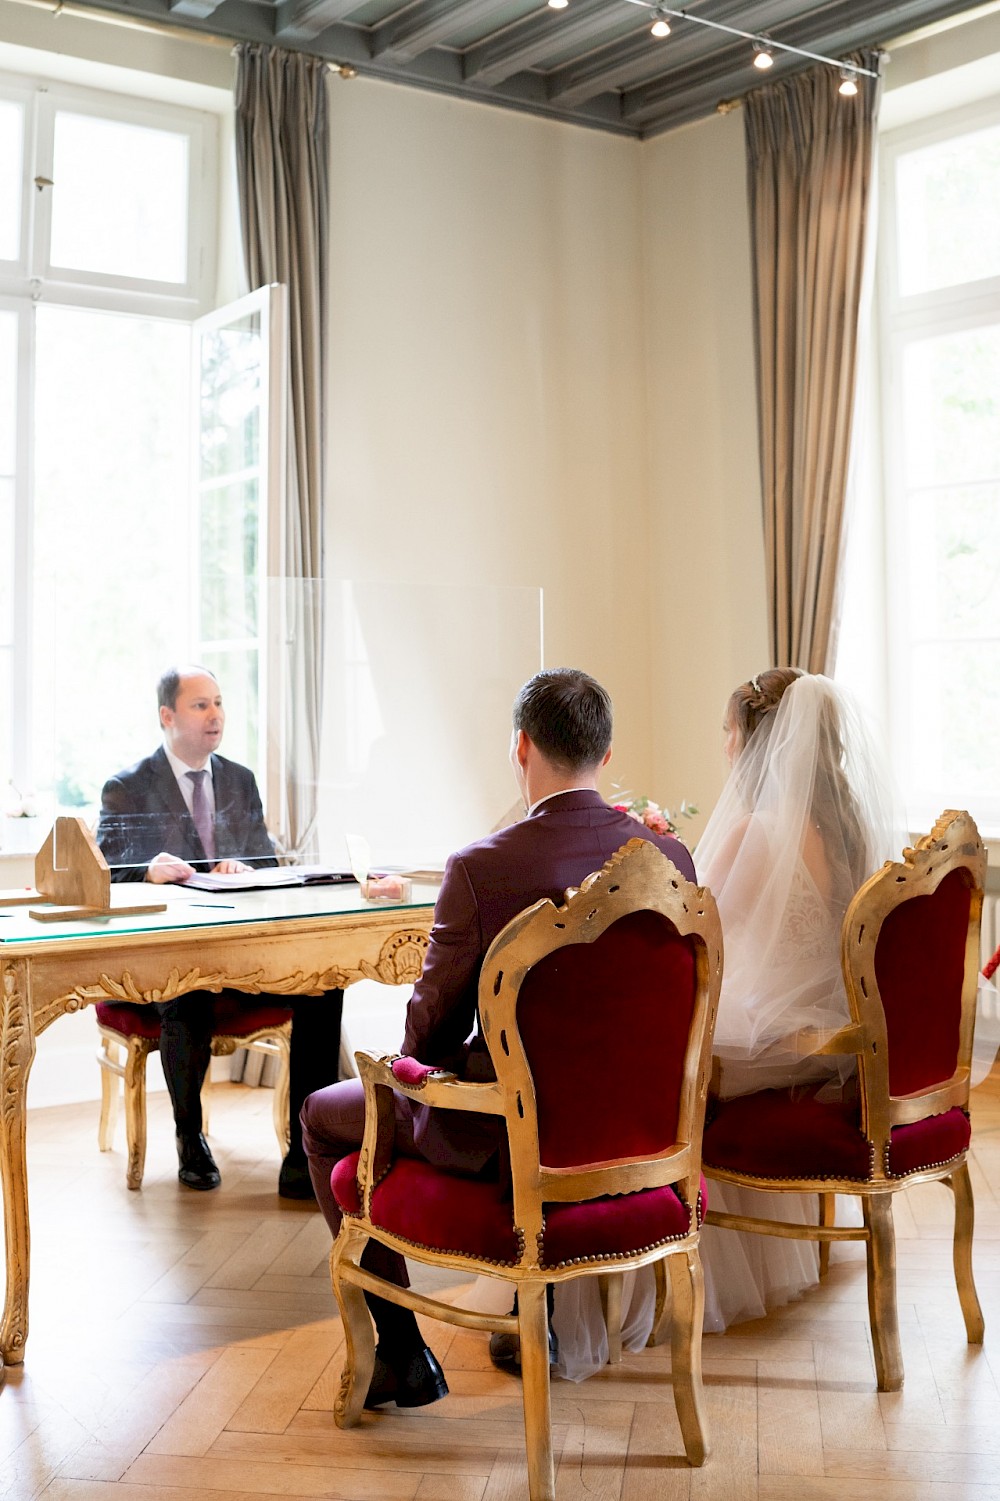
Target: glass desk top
(200,909)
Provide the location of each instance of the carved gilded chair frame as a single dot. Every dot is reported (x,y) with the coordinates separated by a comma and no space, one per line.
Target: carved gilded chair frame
(636,878)
(953,844)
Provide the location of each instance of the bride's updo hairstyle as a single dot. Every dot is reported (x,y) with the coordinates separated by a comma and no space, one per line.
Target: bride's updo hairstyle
(753,701)
(834,810)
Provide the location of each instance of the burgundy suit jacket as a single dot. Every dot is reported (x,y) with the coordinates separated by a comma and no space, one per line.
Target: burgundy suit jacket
(486,884)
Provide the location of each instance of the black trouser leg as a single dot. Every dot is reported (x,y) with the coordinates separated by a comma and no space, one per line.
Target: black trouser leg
(315,1056)
(186,1052)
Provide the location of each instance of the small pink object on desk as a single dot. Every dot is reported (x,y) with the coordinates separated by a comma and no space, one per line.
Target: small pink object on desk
(386,889)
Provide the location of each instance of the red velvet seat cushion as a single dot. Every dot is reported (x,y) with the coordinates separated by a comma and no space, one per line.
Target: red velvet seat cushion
(929,1142)
(472,1217)
(781,1134)
(233,1017)
(778,1133)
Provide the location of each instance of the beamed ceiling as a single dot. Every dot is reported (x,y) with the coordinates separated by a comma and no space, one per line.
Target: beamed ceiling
(593,63)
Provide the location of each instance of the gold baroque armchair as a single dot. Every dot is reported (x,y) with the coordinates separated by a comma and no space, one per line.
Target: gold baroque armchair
(598,1016)
(910,957)
(134,1030)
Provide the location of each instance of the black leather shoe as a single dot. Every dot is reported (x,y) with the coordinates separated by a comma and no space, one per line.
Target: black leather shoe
(505,1351)
(413,1380)
(197,1169)
(294,1181)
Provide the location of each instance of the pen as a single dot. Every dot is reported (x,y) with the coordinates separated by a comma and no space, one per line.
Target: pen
(218,906)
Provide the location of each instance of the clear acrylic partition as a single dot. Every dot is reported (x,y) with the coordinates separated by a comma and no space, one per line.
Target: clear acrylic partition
(419,680)
(412,750)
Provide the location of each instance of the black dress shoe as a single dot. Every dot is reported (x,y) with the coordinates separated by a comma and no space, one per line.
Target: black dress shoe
(197,1169)
(413,1380)
(505,1351)
(294,1181)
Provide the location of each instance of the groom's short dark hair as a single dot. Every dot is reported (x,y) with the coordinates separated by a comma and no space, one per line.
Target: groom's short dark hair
(568,716)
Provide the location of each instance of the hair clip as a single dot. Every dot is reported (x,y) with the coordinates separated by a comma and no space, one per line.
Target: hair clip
(755,685)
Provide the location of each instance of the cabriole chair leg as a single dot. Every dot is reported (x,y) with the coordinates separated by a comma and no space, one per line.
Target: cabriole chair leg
(882,1291)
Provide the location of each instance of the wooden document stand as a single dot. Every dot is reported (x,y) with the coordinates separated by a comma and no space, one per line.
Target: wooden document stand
(80,884)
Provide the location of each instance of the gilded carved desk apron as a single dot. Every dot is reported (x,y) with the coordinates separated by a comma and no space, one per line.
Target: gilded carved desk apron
(288,941)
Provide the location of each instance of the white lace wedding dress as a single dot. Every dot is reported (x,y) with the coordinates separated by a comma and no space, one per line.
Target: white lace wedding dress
(805,816)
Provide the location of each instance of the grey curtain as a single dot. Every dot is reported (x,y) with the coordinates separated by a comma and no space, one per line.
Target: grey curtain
(810,155)
(282,159)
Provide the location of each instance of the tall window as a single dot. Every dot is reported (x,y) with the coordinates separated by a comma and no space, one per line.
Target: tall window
(940,319)
(126,540)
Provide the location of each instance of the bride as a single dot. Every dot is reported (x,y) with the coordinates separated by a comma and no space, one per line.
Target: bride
(804,818)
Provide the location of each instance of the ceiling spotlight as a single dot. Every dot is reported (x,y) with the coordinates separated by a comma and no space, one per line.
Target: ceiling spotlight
(558,4)
(848,82)
(661,26)
(763,57)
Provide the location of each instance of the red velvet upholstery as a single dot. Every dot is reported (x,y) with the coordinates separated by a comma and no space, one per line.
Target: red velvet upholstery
(472,1217)
(233,1018)
(919,965)
(641,973)
(616,1226)
(929,1142)
(412,1073)
(783,1134)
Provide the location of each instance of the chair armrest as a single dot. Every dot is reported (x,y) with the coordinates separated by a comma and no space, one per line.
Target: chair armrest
(429,1086)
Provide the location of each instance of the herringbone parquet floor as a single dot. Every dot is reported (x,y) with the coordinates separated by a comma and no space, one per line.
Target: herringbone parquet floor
(187,1346)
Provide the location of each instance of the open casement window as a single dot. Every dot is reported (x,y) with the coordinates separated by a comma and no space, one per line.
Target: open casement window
(240,360)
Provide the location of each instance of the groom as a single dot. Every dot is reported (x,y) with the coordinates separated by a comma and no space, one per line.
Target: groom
(561,742)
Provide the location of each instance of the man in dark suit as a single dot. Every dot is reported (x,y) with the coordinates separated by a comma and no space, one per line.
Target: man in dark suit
(182,809)
(561,743)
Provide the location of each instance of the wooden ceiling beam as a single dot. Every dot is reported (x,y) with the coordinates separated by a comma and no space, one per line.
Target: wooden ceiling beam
(543,34)
(430,24)
(297,19)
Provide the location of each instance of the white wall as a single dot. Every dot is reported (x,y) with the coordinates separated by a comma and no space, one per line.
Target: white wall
(487,372)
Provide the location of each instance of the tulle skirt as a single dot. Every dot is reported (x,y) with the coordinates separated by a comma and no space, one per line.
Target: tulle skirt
(748,1275)
(578,1321)
(745,1277)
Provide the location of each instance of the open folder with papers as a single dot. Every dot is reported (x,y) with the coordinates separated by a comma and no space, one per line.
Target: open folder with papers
(270,875)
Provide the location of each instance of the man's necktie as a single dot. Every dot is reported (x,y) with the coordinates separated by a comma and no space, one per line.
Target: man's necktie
(203,820)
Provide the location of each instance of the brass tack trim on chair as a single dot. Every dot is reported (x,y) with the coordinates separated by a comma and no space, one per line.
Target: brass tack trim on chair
(422,1245)
(924,1167)
(666,1240)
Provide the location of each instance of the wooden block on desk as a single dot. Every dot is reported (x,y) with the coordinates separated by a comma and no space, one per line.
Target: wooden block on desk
(70,914)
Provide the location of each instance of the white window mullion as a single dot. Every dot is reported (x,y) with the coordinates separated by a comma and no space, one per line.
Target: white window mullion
(23,551)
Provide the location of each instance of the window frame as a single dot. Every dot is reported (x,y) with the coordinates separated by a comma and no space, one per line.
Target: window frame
(35,276)
(904,320)
(30,279)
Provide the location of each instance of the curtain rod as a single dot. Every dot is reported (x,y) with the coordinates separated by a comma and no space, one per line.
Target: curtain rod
(56,8)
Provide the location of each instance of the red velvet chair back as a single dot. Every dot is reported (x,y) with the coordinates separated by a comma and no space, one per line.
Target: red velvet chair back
(920,968)
(599,1017)
(911,961)
(596,1010)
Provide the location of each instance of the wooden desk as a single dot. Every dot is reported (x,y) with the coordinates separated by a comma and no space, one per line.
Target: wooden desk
(290,941)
